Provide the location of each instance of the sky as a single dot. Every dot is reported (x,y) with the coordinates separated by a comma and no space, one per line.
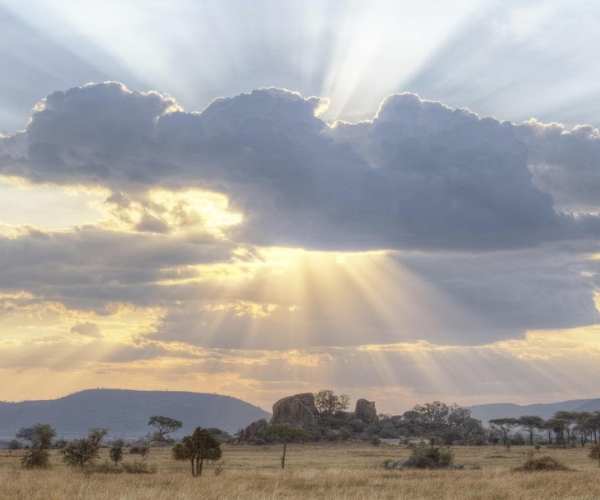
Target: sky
(398,200)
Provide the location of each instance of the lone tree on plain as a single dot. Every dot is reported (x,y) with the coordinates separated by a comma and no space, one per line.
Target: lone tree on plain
(200,446)
(80,452)
(531,423)
(40,438)
(116,451)
(504,425)
(163,427)
(329,403)
(285,434)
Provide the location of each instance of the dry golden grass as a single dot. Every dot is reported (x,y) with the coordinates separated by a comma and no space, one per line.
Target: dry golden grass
(314,471)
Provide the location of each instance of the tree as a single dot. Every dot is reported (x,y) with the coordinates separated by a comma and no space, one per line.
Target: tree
(163,427)
(442,422)
(80,452)
(584,425)
(200,446)
(284,434)
(531,423)
(594,423)
(557,426)
(40,438)
(568,420)
(116,451)
(328,403)
(504,425)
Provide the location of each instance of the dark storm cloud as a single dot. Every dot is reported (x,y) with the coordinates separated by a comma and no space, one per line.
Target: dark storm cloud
(420,175)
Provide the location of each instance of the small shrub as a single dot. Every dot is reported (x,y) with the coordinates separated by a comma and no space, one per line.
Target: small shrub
(544,463)
(595,452)
(375,441)
(80,452)
(428,457)
(116,451)
(36,458)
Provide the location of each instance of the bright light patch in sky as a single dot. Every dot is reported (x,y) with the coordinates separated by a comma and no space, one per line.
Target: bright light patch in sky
(48,207)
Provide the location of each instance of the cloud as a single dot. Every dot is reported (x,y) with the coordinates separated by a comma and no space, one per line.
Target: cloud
(87,330)
(565,162)
(91,267)
(484,232)
(419,175)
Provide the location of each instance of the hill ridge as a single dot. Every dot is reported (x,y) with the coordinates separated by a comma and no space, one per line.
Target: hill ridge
(125,412)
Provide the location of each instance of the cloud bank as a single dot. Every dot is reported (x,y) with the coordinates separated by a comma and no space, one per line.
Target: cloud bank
(420,239)
(420,175)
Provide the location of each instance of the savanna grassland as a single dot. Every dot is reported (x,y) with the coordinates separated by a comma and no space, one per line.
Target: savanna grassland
(314,471)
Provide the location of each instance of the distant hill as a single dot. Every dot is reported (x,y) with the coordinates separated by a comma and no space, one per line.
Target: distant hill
(488,412)
(125,413)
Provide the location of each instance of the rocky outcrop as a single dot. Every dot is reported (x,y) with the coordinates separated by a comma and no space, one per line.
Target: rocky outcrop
(298,410)
(251,433)
(366,411)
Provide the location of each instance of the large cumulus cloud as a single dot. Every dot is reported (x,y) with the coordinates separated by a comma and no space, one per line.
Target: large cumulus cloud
(419,175)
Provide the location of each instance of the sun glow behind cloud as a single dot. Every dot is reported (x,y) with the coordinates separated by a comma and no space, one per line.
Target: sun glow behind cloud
(47,206)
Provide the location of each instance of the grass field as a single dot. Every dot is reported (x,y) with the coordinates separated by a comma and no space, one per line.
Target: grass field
(314,471)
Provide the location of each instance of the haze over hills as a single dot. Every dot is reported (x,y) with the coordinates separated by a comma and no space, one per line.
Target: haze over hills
(545,410)
(126,412)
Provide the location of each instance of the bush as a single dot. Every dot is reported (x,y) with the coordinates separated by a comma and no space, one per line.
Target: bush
(116,451)
(80,452)
(428,457)
(595,452)
(36,458)
(544,463)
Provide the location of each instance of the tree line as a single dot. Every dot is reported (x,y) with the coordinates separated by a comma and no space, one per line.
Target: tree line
(202,445)
(564,428)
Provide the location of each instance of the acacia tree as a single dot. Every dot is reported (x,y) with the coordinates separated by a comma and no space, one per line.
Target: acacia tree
(80,452)
(568,420)
(40,438)
(163,427)
(595,426)
(200,446)
(557,426)
(438,421)
(584,425)
(328,403)
(531,423)
(504,425)
(285,434)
